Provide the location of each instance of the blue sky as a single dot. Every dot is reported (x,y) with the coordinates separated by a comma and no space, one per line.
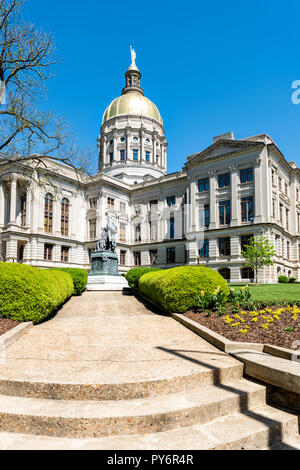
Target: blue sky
(210,67)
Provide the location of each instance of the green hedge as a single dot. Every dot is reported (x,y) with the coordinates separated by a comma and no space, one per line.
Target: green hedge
(177,289)
(32,294)
(79,276)
(133,276)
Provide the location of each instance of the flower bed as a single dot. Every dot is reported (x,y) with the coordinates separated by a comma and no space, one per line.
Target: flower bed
(238,317)
(7,324)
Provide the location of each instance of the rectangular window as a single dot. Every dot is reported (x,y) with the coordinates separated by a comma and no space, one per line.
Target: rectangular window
(48,252)
(110,203)
(153,228)
(111,157)
(171,200)
(224,246)
(23,210)
(287,218)
(247,209)
(273,177)
(204,250)
(246,175)
(135,155)
(286,188)
(137,258)
(171,255)
(123,208)
(273,207)
(204,216)
(92,229)
(122,232)
(288,250)
(172,227)
(64,254)
(122,155)
(245,240)
(224,180)
(153,256)
(203,185)
(279,182)
(224,213)
(122,257)
(280,212)
(147,156)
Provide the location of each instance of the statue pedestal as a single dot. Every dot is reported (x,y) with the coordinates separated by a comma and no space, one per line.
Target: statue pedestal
(104,274)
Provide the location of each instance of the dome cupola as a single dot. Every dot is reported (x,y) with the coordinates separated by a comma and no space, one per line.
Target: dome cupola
(132,134)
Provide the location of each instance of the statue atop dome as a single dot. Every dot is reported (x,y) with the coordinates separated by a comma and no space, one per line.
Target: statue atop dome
(133,56)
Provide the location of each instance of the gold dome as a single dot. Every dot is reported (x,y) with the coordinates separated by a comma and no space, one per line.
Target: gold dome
(132,103)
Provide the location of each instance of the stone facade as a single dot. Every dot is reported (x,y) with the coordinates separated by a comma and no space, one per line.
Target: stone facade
(200,215)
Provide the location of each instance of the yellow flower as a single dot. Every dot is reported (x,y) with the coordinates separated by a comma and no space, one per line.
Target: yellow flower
(255,319)
(265,326)
(235,324)
(244,331)
(202,293)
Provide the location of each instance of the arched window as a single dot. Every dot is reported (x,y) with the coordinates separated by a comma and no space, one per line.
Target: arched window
(65,216)
(23,210)
(137,237)
(225,272)
(48,213)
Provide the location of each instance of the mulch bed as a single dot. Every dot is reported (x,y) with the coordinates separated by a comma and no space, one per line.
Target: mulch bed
(275,334)
(7,324)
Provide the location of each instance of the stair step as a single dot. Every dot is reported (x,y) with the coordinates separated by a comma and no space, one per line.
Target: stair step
(264,428)
(68,418)
(123,390)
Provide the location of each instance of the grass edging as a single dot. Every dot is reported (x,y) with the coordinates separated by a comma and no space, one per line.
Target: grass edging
(13,334)
(229,346)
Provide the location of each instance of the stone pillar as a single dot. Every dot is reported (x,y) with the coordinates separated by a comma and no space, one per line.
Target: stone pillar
(258,195)
(13,201)
(234,197)
(153,151)
(2,204)
(128,156)
(104,150)
(116,156)
(193,205)
(212,200)
(28,205)
(142,156)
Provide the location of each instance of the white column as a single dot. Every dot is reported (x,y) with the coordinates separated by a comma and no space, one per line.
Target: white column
(2,204)
(28,206)
(116,156)
(234,197)
(212,200)
(193,205)
(128,156)
(13,200)
(258,195)
(142,156)
(104,150)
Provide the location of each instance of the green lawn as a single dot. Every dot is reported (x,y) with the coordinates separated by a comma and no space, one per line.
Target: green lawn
(274,292)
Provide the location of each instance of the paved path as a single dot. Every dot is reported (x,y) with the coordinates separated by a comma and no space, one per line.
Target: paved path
(108,373)
(109,338)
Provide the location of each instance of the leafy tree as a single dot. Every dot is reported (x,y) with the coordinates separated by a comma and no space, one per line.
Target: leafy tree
(27,133)
(258,253)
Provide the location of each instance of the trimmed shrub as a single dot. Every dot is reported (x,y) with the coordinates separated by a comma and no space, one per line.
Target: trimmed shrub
(178,289)
(133,276)
(32,294)
(79,276)
(283,279)
(292,279)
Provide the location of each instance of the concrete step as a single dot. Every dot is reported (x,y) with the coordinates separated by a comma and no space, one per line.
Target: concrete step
(69,418)
(123,390)
(289,444)
(264,428)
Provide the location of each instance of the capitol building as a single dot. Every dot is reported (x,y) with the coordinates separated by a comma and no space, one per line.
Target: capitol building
(203,214)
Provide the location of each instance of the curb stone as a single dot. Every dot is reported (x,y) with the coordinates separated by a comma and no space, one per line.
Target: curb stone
(13,334)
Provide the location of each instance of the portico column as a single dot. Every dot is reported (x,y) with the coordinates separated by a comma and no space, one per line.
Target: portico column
(142,156)
(28,206)
(153,151)
(234,197)
(104,150)
(212,200)
(192,205)
(13,200)
(2,204)
(258,194)
(127,144)
(116,156)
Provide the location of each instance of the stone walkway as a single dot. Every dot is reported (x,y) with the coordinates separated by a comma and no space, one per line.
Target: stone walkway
(107,372)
